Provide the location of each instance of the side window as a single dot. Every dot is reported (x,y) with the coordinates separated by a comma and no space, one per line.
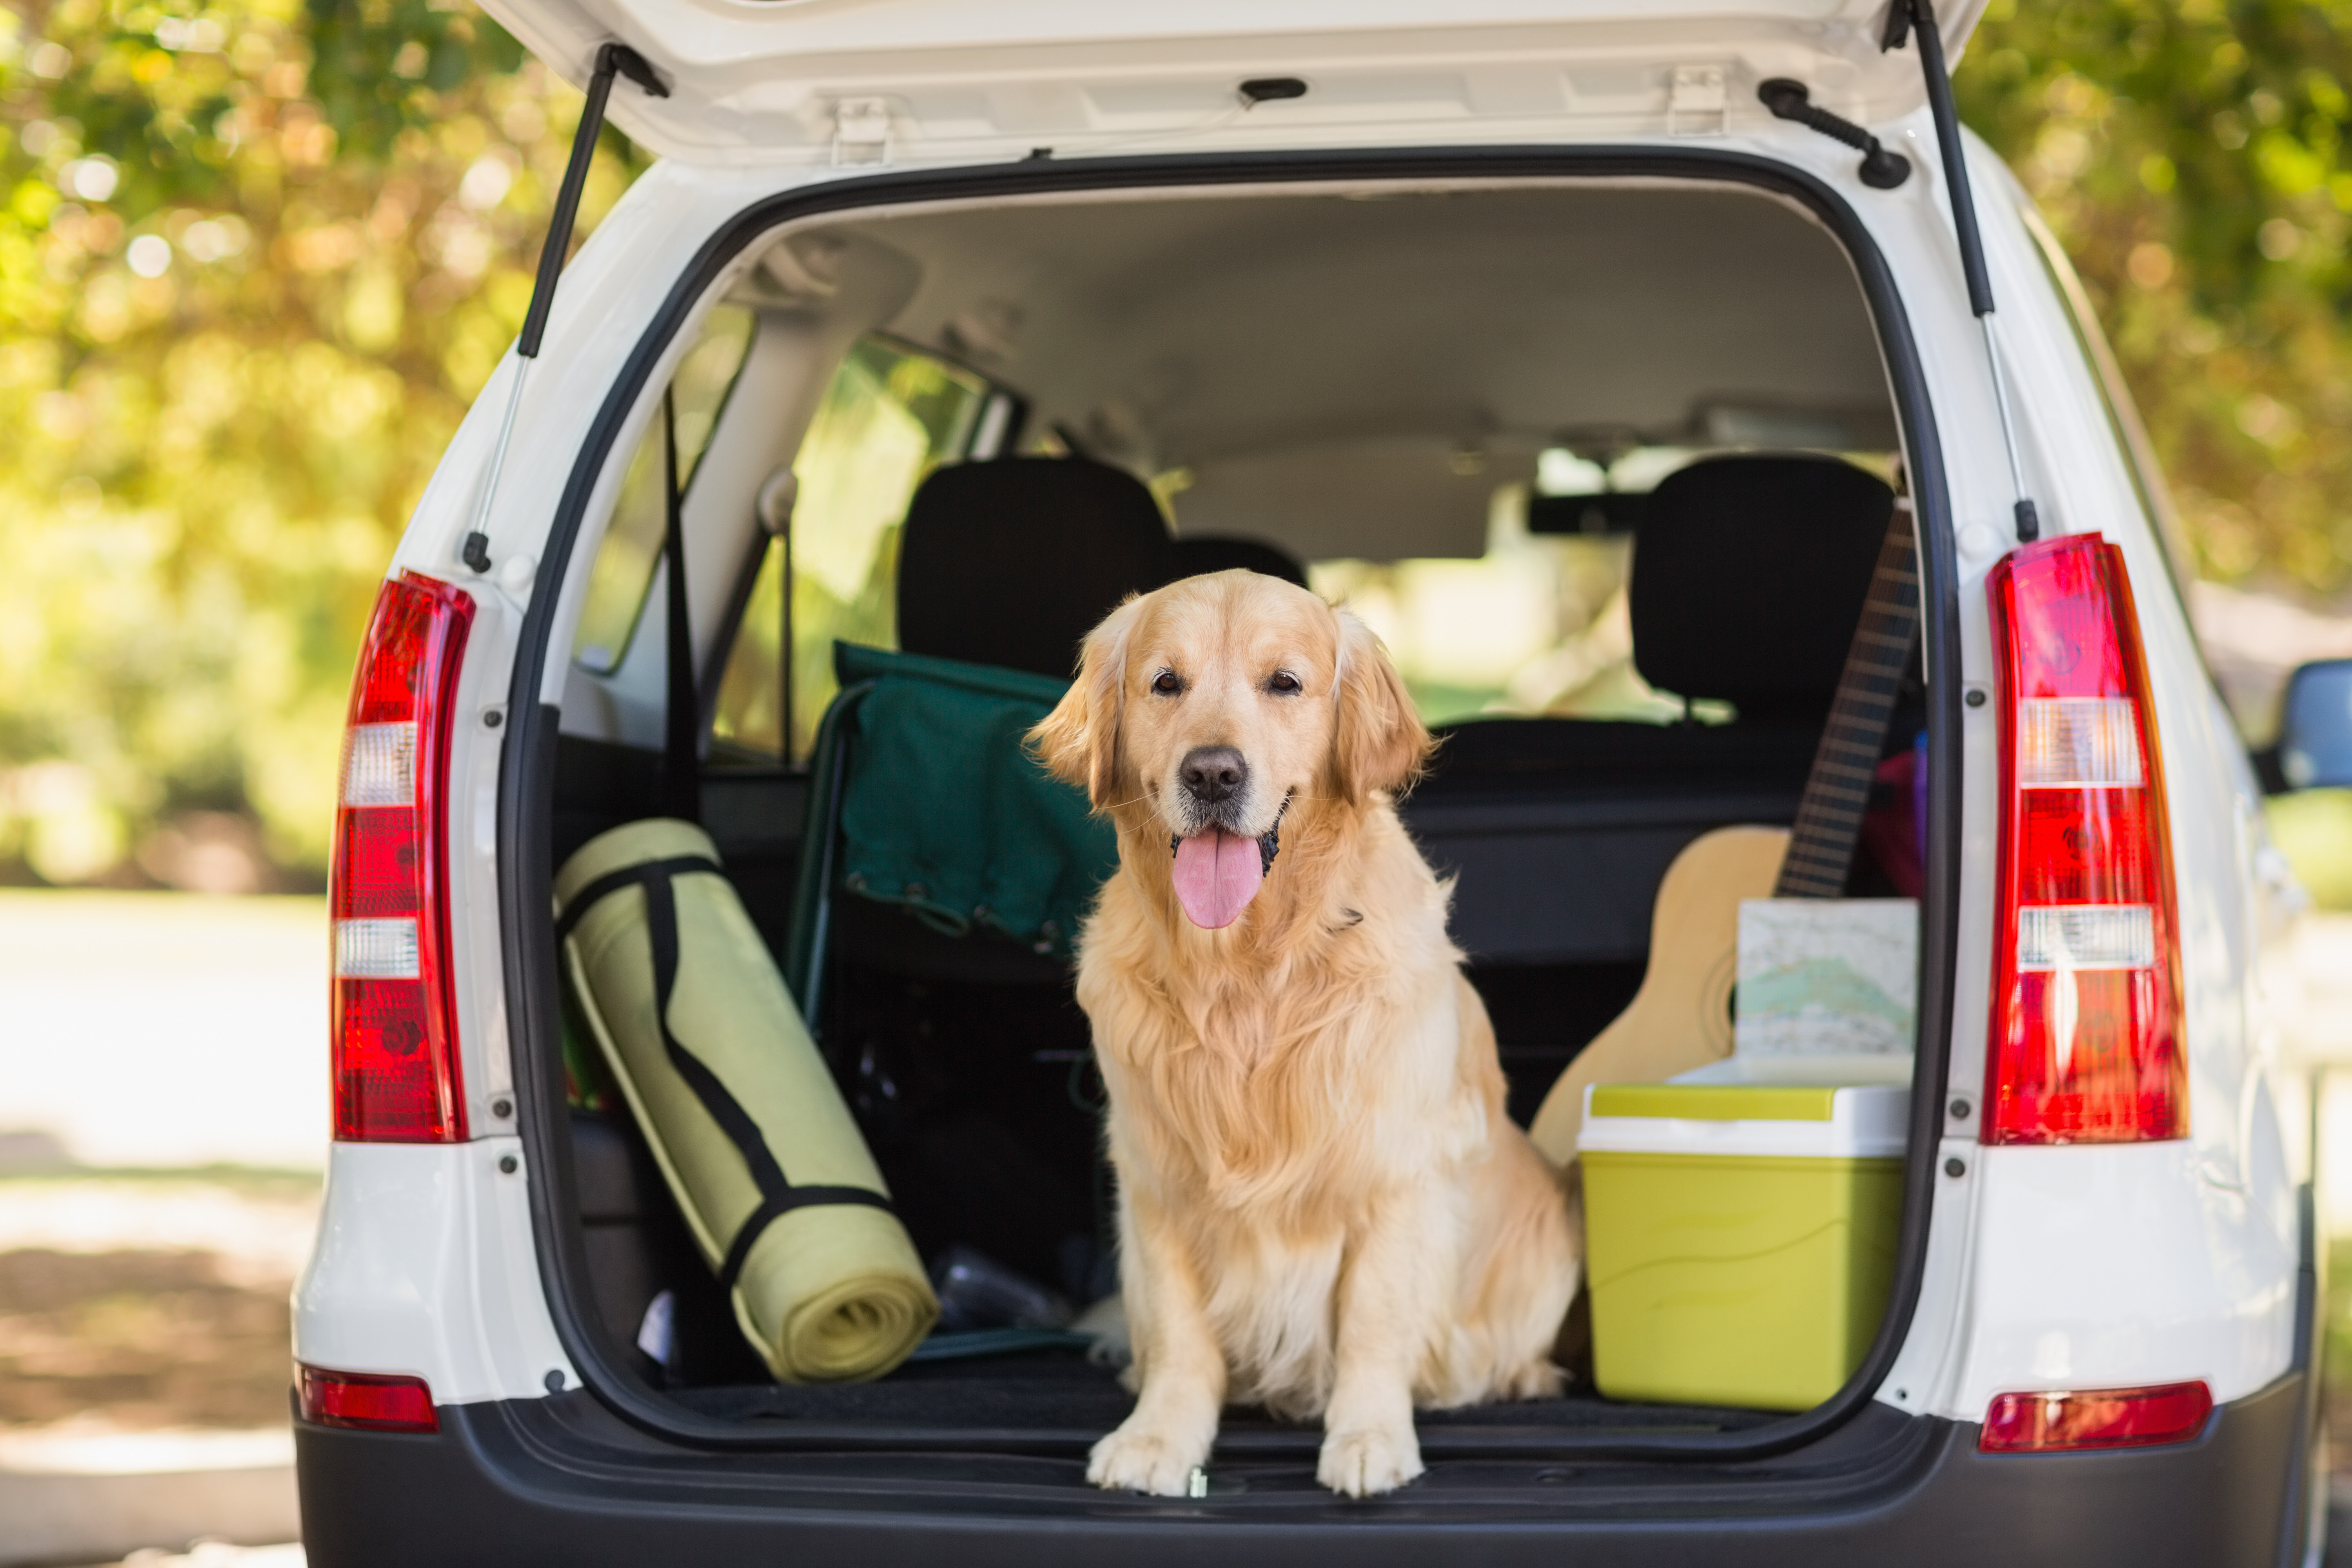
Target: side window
(624,568)
(891,414)
(2123,419)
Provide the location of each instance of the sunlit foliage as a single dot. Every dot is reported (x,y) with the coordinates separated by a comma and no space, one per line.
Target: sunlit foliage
(254,262)
(256,257)
(2196,158)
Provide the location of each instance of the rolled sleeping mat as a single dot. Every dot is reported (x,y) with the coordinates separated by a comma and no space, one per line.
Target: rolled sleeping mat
(766,1163)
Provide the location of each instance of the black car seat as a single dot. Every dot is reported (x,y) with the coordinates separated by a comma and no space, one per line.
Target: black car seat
(1748,575)
(1214,553)
(1012,562)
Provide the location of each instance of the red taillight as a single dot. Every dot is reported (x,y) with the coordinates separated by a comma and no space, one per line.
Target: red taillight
(395,1021)
(2085,1045)
(2095,1418)
(368,1401)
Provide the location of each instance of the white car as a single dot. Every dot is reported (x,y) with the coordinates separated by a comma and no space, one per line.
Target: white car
(1446,309)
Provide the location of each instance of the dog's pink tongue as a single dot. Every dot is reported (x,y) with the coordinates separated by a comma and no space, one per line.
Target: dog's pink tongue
(1217,874)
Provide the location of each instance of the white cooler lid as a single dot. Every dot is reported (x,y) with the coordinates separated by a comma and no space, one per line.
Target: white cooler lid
(1719,1111)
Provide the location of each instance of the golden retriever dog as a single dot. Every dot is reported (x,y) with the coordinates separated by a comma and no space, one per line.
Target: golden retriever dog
(1323,1207)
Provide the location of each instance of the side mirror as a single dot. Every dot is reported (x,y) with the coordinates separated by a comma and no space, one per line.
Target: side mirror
(2315,744)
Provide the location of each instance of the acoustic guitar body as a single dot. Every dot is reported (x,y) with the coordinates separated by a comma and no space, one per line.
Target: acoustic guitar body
(1681,1018)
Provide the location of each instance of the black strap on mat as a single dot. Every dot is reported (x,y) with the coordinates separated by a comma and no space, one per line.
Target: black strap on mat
(777,1195)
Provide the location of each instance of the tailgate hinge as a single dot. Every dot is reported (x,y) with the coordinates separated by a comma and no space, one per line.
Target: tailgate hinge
(861,131)
(1697,102)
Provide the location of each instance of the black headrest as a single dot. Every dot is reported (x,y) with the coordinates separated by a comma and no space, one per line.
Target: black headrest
(1012,562)
(1749,577)
(1211,554)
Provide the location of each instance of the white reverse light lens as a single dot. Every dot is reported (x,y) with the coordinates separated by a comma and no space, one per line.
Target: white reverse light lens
(2078,742)
(380,765)
(376,949)
(2086,936)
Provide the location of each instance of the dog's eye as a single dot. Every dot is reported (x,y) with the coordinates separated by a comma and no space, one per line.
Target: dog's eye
(1166,684)
(1282,683)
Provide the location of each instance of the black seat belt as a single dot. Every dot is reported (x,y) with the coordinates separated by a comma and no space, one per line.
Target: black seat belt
(682,731)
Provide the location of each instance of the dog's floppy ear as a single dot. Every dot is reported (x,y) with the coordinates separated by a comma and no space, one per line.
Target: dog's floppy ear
(1078,740)
(1378,740)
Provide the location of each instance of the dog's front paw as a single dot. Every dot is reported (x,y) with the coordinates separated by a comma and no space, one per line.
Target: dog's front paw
(1141,1459)
(1368,1460)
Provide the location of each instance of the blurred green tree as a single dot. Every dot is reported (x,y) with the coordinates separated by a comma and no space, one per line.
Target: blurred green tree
(255,261)
(2193,156)
(256,257)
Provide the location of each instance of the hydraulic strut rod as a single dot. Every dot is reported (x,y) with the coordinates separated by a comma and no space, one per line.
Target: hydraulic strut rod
(1905,17)
(612,60)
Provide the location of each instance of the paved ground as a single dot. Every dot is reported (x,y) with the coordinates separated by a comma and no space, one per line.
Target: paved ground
(144,1332)
(144,1323)
(165,1028)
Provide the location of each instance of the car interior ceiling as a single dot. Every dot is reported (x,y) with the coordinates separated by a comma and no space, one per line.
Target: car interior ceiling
(1319,365)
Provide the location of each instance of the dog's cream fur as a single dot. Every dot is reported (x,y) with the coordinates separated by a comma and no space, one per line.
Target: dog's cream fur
(1323,1207)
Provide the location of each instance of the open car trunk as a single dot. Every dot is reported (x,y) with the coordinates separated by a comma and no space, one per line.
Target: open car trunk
(1458,402)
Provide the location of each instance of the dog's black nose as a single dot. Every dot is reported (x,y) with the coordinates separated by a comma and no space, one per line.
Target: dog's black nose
(1210,774)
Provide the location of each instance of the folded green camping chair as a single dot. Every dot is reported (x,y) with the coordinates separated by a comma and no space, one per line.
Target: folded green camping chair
(926,797)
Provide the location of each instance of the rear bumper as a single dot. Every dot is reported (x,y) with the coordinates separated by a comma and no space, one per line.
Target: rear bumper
(560,1480)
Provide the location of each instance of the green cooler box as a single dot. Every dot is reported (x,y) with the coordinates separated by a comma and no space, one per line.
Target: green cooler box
(1739,1236)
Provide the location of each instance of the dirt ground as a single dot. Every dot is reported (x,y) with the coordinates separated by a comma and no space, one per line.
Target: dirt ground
(146,1303)
(153,1339)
